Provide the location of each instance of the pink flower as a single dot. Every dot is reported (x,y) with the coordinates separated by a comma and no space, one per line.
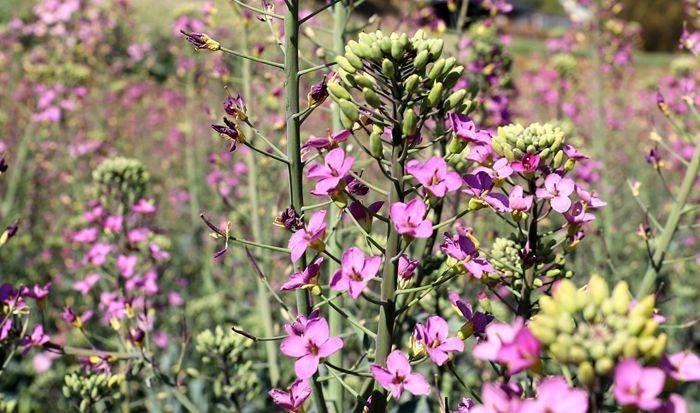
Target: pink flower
(309,276)
(476,320)
(397,377)
(85,285)
(497,399)
(293,399)
(407,267)
(499,170)
(157,253)
(638,386)
(409,219)
(683,366)
(433,336)
(309,236)
(462,248)
(434,176)
(512,345)
(329,141)
(330,175)
(36,339)
(590,198)
(143,207)
(84,236)
(528,164)
(126,265)
(517,201)
(310,347)
(37,292)
(675,404)
(97,255)
(113,223)
(577,215)
(465,129)
(137,235)
(355,272)
(555,396)
(479,185)
(557,189)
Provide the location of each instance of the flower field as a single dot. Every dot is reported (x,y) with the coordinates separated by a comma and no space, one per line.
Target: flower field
(347,206)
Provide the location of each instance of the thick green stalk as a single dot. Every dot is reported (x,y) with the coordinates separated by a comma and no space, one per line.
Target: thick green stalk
(335,319)
(387,312)
(263,302)
(661,248)
(296,173)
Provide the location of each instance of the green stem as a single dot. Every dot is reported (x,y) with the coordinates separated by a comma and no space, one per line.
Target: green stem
(296,173)
(262,302)
(335,319)
(17,173)
(650,277)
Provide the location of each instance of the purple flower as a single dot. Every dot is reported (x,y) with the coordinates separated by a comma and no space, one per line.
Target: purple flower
(113,223)
(127,265)
(38,292)
(143,207)
(433,338)
(201,41)
(355,272)
(289,219)
(577,215)
(329,141)
(465,405)
(528,164)
(309,236)
(36,339)
(409,219)
(497,399)
(683,366)
(313,344)
(465,129)
(463,249)
(555,396)
(476,320)
(307,277)
(637,386)
(397,376)
(512,345)
(85,285)
(557,189)
(77,321)
(331,174)
(407,267)
(434,176)
(235,107)
(230,131)
(481,154)
(318,93)
(572,153)
(500,170)
(97,255)
(479,186)
(590,198)
(363,215)
(293,399)
(85,236)
(675,404)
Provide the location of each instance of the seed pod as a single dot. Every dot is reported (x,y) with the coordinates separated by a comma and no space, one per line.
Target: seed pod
(397,50)
(372,97)
(365,81)
(455,99)
(436,69)
(388,68)
(452,77)
(355,61)
(385,46)
(436,49)
(344,64)
(338,92)
(411,83)
(410,122)
(375,144)
(421,60)
(349,109)
(434,94)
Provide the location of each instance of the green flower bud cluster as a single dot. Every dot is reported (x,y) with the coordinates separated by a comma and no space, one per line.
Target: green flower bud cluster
(91,389)
(226,349)
(505,258)
(593,328)
(564,63)
(120,179)
(393,69)
(7,406)
(545,140)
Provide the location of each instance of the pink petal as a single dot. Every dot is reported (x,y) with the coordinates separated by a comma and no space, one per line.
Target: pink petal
(294,346)
(416,384)
(306,366)
(331,346)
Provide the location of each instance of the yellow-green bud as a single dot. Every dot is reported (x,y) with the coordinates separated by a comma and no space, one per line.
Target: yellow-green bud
(349,109)
(388,68)
(410,121)
(436,69)
(375,144)
(621,298)
(434,95)
(598,289)
(421,60)
(585,373)
(338,92)
(455,99)
(645,307)
(604,366)
(352,58)
(411,83)
(344,64)
(371,97)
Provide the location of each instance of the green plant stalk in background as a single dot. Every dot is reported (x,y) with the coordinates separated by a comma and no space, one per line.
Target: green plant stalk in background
(263,302)
(335,319)
(296,173)
(17,173)
(651,276)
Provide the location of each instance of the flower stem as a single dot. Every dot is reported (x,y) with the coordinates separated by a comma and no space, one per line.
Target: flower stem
(296,174)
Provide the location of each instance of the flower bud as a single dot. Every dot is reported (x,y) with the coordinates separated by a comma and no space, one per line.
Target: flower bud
(421,60)
(349,109)
(411,83)
(371,97)
(621,298)
(455,99)
(344,64)
(434,94)
(338,92)
(598,289)
(410,121)
(352,58)
(375,144)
